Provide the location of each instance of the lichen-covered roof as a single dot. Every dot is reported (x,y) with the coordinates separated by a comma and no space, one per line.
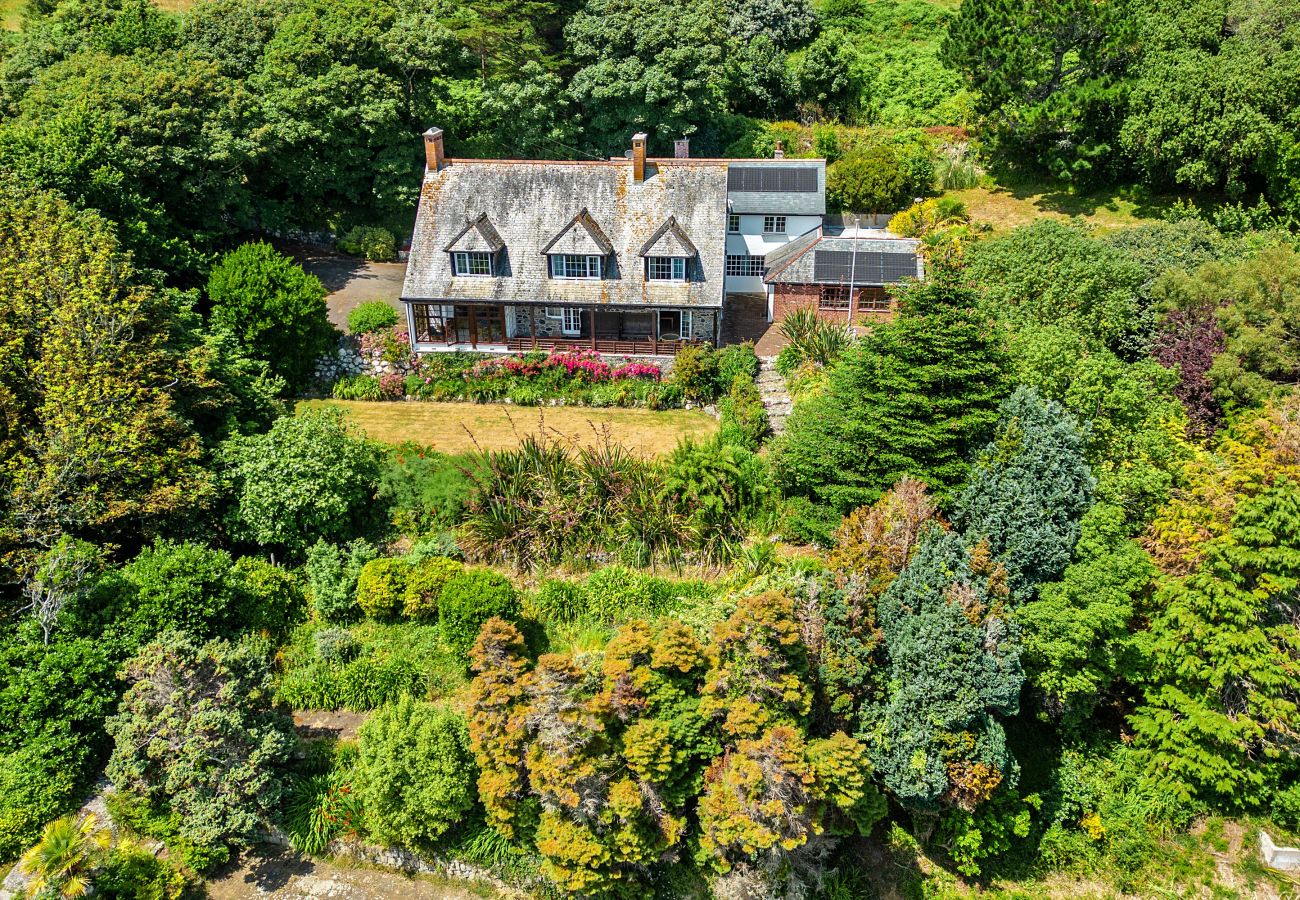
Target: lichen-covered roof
(478,235)
(534,206)
(668,240)
(583,235)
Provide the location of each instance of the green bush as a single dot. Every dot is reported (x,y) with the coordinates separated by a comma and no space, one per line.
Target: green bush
(867,180)
(139,816)
(368,242)
(695,373)
(272,598)
(425,491)
(336,645)
(425,581)
(332,573)
(133,873)
(373,315)
(557,602)
(734,360)
(38,783)
(381,587)
(743,416)
(414,774)
(470,599)
(357,387)
(805,522)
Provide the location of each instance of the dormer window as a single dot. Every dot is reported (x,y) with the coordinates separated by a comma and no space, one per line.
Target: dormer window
(665,268)
(569,265)
(471,263)
(477,251)
(667,251)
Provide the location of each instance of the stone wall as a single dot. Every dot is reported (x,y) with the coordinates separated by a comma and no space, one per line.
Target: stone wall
(349,358)
(703,323)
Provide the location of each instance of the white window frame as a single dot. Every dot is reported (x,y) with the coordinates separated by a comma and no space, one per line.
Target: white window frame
(676,268)
(563,264)
(733,223)
(462,260)
(745,266)
(570,321)
(684,323)
(553,312)
(774,224)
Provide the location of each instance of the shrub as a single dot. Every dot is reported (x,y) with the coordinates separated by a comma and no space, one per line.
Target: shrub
(414,773)
(319,809)
(336,645)
(470,599)
(311,476)
(557,602)
(813,339)
(381,587)
(695,372)
(369,242)
(373,315)
(272,599)
(425,581)
(357,387)
(424,490)
(197,732)
(743,416)
(332,577)
(131,872)
(275,309)
(736,359)
(37,784)
(868,180)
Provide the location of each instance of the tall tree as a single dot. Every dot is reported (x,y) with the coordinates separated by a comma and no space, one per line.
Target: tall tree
(655,65)
(1222,713)
(1030,488)
(913,398)
(91,441)
(954,665)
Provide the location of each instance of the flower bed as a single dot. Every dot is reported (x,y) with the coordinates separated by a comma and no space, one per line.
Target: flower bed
(580,378)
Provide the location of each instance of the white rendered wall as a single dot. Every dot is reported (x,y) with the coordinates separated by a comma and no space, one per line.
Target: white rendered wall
(751,241)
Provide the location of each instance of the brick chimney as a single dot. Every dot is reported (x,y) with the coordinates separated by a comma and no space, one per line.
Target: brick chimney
(682,148)
(638,156)
(434,158)
(779,152)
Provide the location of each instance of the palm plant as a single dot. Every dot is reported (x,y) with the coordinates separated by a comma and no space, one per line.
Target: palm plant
(61,862)
(815,339)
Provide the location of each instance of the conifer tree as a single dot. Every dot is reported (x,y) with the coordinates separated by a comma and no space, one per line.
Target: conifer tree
(1222,714)
(913,398)
(954,663)
(1030,488)
(496,729)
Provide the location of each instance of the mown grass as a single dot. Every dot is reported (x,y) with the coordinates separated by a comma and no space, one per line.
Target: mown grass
(11,11)
(1011,203)
(464,427)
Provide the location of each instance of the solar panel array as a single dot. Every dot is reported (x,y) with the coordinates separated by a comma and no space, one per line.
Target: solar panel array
(772,179)
(839,267)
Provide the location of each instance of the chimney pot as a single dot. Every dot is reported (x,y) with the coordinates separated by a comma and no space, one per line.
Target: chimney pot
(779,152)
(433,152)
(638,156)
(682,148)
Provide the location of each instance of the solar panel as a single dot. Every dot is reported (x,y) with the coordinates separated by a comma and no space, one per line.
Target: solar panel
(839,267)
(772,179)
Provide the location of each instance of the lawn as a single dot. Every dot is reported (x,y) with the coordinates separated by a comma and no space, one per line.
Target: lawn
(11,11)
(1021,202)
(461,427)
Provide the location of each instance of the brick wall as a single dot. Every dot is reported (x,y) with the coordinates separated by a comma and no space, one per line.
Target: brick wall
(789,297)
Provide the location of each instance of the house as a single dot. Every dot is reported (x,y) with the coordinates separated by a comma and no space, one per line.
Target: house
(630,255)
(840,271)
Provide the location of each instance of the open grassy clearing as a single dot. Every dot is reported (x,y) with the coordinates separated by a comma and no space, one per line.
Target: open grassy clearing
(11,11)
(1021,202)
(462,427)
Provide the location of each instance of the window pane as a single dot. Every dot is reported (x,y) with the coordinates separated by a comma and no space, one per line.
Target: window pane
(679,269)
(733,223)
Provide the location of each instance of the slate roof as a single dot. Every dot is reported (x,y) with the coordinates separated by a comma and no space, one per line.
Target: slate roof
(478,235)
(536,206)
(669,240)
(583,235)
(795,262)
(785,202)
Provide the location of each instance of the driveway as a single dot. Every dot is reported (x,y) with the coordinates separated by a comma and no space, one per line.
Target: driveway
(351,282)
